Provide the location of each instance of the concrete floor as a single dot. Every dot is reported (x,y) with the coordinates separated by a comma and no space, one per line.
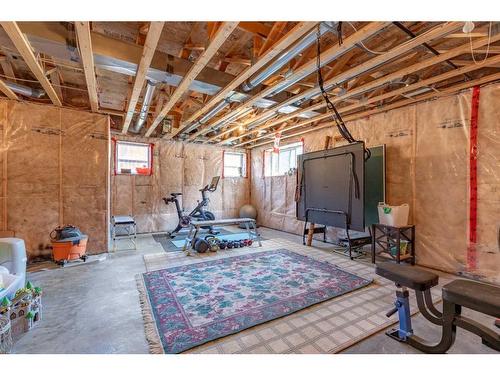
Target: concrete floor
(94,308)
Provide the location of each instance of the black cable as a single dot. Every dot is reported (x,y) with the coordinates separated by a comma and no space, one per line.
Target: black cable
(341,126)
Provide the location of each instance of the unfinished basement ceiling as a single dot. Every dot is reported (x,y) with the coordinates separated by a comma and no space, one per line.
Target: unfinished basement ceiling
(374,66)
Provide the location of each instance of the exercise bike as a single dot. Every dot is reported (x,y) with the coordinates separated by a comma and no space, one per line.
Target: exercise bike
(198,213)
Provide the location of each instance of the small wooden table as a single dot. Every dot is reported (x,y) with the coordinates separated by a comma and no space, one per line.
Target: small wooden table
(388,237)
(195,226)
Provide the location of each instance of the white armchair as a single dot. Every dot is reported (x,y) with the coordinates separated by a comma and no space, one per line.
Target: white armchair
(13,259)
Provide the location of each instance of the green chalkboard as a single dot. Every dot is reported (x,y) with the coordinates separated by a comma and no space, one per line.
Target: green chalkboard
(374,183)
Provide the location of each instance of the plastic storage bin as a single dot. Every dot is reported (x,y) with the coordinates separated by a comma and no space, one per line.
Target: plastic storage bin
(394,216)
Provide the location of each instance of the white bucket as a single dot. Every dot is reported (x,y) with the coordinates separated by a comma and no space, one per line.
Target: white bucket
(394,216)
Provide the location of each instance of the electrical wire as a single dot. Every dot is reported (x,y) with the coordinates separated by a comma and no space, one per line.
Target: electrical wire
(36,81)
(365,47)
(342,128)
(487,48)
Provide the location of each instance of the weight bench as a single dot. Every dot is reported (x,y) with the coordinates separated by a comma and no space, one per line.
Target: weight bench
(484,298)
(195,226)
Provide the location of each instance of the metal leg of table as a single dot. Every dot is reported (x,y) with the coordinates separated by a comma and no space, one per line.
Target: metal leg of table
(257,235)
(247,227)
(188,241)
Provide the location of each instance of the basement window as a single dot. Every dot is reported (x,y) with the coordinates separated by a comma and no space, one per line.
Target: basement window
(235,164)
(133,158)
(282,162)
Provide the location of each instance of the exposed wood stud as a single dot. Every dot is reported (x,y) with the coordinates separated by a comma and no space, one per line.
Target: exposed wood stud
(154,33)
(449,91)
(222,34)
(26,51)
(273,36)
(87,55)
(7,91)
(286,41)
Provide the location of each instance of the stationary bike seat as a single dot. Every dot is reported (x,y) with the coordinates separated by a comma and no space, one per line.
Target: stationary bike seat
(175,194)
(408,276)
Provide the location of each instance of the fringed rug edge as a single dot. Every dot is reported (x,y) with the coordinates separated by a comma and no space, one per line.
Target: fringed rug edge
(152,335)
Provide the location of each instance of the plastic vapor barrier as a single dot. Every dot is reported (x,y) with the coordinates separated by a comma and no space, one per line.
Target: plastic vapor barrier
(427,166)
(55,170)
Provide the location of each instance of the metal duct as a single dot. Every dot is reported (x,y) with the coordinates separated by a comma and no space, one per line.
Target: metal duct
(146,103)
(25,90)
(255,123)
(286,56)
(60,51)
(219,107)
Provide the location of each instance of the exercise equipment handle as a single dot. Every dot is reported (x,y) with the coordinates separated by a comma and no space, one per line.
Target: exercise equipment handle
(391,312)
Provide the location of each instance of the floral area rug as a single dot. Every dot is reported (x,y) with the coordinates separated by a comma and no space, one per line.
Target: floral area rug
(188,305)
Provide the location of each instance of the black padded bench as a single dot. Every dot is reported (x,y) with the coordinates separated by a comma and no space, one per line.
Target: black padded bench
(481,297)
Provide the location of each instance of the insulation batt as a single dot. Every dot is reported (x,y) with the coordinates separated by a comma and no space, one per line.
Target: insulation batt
(55,171)
(427,160)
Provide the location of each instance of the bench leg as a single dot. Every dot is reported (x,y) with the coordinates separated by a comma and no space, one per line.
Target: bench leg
(489,337)
(423,308)
(450,311)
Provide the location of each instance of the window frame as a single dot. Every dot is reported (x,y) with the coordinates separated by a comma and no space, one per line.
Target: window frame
(270,155)
(244,167)
(118,171)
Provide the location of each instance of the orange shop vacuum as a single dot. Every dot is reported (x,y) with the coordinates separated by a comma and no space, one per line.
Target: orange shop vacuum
(68,243)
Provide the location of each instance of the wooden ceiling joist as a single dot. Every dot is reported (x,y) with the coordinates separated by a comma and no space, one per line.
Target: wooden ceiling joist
(7,90)
(273,36)
(87,56)
(257,28)
(427,83)
(336,50)
(401,103)
(282,44)
(222,34)
(26,51)
(7,68)
(152,38)
(436,32)
(380,82)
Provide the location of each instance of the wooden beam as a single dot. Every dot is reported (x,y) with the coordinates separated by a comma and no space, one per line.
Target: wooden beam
(222,34)
(238,60)
(7,68)
(448,91)
(467,62)
(7,90)
(87,55)
(466,35)
(56,82)
(273,36)
(286,41)
(257,28)
(152,38)
(493,50)
(381,81)
(394,93)
(125,51)
(336,50)
(24,48)
(434,33)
